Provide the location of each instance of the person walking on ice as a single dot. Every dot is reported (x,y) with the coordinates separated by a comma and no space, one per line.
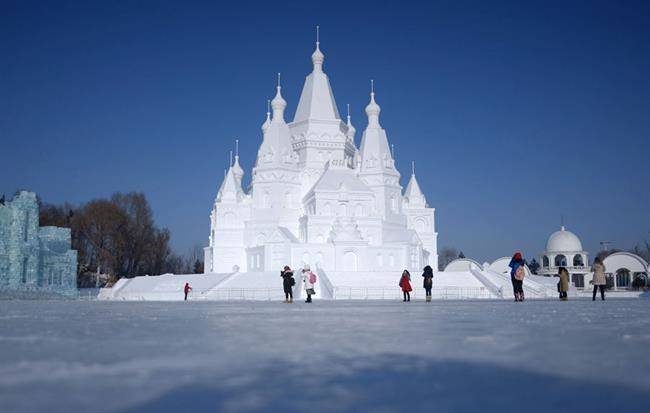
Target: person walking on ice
(599,280)
(405,285)
(287,283)
(563,284)
(187,290)
(308,281)
(517,273)
(428,281)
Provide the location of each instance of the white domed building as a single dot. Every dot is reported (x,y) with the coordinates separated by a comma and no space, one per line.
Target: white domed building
(564,249)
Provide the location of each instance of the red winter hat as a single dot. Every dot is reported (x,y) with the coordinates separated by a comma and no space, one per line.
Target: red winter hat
(517,256)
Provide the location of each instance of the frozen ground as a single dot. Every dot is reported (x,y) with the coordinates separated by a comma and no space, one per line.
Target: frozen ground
(377,356)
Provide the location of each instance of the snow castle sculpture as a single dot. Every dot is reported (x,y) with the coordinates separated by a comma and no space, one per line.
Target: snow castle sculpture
(315,198)
(34,261)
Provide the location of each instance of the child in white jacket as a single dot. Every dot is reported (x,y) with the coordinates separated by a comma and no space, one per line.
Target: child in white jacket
(308,280)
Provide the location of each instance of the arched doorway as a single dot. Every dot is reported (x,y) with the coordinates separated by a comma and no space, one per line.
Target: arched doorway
(560,261)
(545,261)
(623,278)
(349,261)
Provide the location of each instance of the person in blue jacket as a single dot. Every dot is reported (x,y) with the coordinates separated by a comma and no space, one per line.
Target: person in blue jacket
(517,285)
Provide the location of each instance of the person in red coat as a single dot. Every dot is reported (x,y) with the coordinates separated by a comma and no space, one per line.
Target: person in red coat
(187,290)
(405,285)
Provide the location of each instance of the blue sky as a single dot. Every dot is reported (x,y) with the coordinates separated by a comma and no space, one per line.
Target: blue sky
(516,113)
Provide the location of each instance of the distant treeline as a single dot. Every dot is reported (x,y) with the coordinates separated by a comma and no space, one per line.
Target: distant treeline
(116,238)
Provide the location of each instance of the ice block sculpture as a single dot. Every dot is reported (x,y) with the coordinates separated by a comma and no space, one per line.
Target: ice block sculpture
(34,261)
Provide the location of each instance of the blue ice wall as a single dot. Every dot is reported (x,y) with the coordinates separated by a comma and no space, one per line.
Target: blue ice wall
(34,261)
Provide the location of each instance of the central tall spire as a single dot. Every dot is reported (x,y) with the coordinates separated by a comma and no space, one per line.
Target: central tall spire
(317,100)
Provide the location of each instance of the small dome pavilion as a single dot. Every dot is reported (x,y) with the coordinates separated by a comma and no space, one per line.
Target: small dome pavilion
(564,249)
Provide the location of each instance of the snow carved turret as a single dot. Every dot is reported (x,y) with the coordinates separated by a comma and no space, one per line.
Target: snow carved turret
(413,196)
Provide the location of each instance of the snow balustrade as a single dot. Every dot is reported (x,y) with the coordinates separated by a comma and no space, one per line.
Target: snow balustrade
(389,293)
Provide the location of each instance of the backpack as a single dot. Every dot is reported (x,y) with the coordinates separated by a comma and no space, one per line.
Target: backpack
(312,278)
(292,281)
(520,273)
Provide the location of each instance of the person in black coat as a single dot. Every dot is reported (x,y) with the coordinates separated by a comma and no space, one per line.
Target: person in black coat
(428,281)
(287,283)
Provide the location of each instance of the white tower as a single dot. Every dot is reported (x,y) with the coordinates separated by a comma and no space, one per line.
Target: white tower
(377,169)
(421,218)
(319,135)
(275,187)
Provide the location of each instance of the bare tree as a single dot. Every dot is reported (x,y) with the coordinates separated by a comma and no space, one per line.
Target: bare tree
(447,255)
(195,259)
(643,251)
(116,237)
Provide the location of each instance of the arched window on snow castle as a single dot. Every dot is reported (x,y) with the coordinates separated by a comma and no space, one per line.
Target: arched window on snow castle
(414,257)
(343,210)
(545,261)
(358,210)
(578,261)
(560,261)
(380,260)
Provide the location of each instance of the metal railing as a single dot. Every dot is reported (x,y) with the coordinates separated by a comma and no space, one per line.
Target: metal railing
(385,293)
(260,294)
(338,293)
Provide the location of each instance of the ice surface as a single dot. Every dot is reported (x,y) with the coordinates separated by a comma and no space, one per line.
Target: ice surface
(329,356)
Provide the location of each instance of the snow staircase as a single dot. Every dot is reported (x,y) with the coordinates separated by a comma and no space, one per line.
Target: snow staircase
(532,289)
(324,287)
(210,293)
(494,287)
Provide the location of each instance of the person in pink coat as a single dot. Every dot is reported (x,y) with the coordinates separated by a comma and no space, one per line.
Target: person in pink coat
(405,285)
